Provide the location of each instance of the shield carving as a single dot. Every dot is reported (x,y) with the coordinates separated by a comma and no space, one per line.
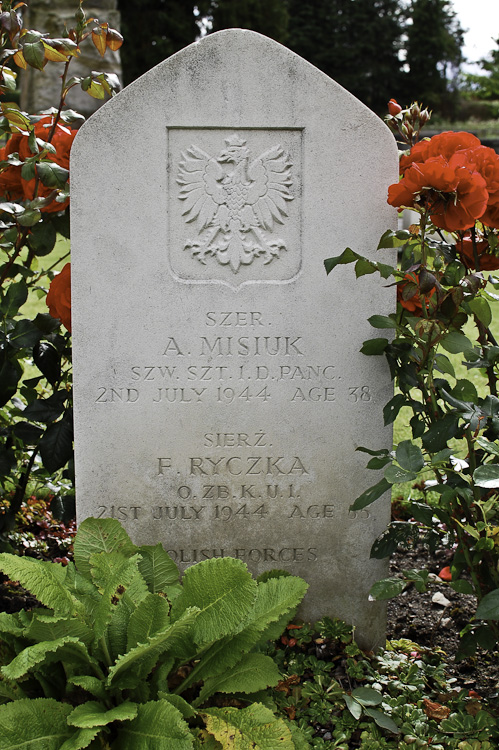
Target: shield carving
(234,205)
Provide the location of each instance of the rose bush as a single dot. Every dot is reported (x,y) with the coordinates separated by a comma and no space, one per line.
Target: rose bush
(35,355)
(444,291)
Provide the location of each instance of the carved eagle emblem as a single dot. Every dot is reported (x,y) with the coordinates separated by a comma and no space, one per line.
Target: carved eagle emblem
(235,202)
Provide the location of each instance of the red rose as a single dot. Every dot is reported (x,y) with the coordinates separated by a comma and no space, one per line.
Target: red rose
(59,296)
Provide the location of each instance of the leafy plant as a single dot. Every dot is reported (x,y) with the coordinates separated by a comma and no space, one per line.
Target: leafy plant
(122,655)
(444,289)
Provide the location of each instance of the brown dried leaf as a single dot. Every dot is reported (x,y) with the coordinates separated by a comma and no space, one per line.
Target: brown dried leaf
(435,710)
(99,38)
(284,686)
(114,40)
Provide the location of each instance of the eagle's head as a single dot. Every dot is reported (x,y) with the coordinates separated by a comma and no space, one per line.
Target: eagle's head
(235,151)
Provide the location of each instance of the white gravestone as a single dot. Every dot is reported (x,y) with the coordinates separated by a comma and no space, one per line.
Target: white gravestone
(219,390)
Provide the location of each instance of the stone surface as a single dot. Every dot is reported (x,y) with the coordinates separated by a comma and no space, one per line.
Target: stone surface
(42,89)
(219,390)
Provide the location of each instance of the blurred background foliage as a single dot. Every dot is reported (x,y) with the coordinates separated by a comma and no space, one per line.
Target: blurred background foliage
(377,49)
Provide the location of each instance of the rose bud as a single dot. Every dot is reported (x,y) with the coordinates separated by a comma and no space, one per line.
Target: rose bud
(394,108)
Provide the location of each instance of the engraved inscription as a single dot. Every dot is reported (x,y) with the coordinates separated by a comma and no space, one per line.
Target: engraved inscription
(235,202)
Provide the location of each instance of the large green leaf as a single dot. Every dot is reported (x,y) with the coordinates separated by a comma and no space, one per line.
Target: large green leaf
(371,494)
(387,588)
(409,456)
(68,650)
(253,672)
(151,616)
(276,603)
(487,476)
(488,609)
(45,580)
(100,535)
(80,739)
(34,724)
(252,728)
(118,575)
(158,726)
(45,627)
(157,568)
(94,714)
(224,592)
(135,665)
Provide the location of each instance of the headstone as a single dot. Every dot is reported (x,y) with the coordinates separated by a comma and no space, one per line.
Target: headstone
(220,394)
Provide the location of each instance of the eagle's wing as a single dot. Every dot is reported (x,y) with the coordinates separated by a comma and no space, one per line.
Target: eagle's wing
(199,177)
(270,176)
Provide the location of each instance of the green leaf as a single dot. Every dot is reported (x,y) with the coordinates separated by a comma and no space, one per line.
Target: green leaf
(92,714)
(52,175)
(135,665)
(383,720)
(91,684)
(370,495)
(488,446)
(151,616)
(462,586)
(45,580)
(24,335)
(34,723)
(387,588)
(180,703)
(56,445)
(395,474)
(465,390)
(30,217)
(364,267)
(367,696)
(158,726)
(254,727)
(409,456)
(353,706)
(392,408)
(224,592)
(80,739)
(374,346)
(456,343)
(394,239)
(382,321)
(347,256)
(253,672)
(397,533)
(15,296)
(34,54)
(443,364)
(68,650)
(481,308)
(157,568)
(45,627)
(487,475)
(440,432)
(100,535)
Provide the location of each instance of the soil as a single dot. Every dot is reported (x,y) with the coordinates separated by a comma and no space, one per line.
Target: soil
(416,617)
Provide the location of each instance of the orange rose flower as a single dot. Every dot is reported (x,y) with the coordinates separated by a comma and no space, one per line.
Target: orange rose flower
(13,186)
(59,297)
(62,141)
(10,178)
(454,177)
(486,259)
(394,107)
